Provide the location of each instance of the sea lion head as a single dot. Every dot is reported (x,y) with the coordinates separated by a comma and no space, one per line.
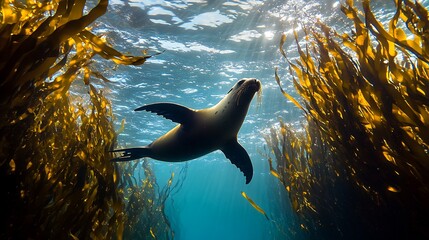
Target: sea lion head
(244,90)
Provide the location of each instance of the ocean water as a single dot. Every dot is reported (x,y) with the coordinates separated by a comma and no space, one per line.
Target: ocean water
(205,48)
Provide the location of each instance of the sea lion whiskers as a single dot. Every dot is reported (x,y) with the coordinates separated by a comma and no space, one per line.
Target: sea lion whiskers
(239,93)
(259,98)
(244,89)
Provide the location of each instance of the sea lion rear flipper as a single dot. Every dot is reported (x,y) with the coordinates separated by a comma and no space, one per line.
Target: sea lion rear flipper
(175,112)
(239,157)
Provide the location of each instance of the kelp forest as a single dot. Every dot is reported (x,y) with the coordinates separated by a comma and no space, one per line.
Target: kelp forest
(359,168)
(56,178)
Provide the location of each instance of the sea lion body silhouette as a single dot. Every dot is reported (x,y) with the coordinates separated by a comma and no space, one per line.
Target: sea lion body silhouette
(200,132)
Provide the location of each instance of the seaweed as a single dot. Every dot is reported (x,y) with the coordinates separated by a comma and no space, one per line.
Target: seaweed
(56,177)
(304,167)
(365,99)
(146,218)
(254,205)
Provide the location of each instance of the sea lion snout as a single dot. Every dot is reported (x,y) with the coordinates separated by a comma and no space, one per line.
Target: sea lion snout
(252,83)
(249,83)
(257,84)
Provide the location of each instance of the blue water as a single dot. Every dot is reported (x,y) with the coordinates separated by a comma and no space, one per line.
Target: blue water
(206,47)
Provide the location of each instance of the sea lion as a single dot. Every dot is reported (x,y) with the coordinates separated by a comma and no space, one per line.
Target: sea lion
(200,132)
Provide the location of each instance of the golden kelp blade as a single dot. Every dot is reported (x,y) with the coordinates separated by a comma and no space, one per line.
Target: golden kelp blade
(104,50)
(254,205)
(282,42)
(272,170)
(122,127)
(170,181)
(393,189)
(152,234)
(286,94)
(275,173)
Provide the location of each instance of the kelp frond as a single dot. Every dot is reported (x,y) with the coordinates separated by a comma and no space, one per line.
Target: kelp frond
(55,174)
(145,203)
(302,165)
(367,95)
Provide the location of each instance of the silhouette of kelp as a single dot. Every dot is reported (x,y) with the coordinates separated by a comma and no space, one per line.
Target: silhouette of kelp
(361,169)
(146,205)
(55,175)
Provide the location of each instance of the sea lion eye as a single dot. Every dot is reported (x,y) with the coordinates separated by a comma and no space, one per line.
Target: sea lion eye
(240,82)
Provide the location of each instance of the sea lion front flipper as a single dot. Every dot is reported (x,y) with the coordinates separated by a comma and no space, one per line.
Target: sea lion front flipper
(239,157)
(175,112)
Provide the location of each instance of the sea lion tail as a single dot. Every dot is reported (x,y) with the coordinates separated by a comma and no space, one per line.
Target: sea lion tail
(129,154)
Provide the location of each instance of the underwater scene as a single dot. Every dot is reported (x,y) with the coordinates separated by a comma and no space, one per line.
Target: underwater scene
(213,119)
